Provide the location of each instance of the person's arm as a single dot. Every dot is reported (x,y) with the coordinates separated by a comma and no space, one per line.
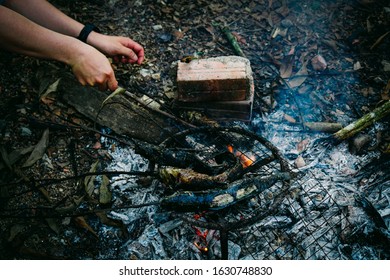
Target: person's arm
(45,14)
(19,34)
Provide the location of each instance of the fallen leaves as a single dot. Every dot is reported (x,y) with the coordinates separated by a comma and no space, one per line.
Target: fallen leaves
(379,40)
(82,223)
(299,78)
(286,67)
(39,149)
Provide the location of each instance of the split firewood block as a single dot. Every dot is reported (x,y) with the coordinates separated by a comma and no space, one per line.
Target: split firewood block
(221,87)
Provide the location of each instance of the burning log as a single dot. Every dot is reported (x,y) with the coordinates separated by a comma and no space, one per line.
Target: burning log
(362,123)
(219,199)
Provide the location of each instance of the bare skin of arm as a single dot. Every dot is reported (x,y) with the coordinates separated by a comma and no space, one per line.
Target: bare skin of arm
(36,28)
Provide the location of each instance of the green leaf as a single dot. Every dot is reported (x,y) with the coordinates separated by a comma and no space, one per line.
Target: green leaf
(105,195)
(89,183)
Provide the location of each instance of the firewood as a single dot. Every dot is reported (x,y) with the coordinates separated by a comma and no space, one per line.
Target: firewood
(125,116)
(323,126)
(219,199)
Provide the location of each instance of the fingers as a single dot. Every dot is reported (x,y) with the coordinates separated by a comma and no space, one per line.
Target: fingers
(109,83)
(104,82)
(124,59)
(112,83)
(132,52)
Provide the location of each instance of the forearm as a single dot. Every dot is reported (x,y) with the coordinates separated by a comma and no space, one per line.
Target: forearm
(19,34)
(45,14)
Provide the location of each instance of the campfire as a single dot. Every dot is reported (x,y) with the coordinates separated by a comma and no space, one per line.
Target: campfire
(241,191)
(299,215)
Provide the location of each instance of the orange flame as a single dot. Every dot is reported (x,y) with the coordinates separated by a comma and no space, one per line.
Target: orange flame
(201,248)
(201,239)
(244,159)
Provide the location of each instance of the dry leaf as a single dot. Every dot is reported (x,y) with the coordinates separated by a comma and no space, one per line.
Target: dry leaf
(287,64)
(110,222)
(239,38)
(386,92)
(45,97)
(4,156)
(39,150)
(53,224)
(81,222)
(379,40)
(286,67)
(279,31)
(302,145)
(11,158)
(331,43)
(299,78)
(178,34)
(15,230)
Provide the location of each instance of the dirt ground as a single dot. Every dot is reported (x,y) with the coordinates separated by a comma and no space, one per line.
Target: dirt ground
(278,37)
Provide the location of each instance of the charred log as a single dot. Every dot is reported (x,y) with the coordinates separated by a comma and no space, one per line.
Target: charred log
(220,199)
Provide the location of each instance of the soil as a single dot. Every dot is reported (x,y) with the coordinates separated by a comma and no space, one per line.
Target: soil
(279,37)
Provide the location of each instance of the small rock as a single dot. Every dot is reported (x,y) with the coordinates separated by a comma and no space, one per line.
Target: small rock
(357,66)
(300,162)
(157,27)
(145,72)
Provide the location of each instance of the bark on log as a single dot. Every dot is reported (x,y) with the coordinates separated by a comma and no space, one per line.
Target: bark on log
(362,123)
(323,126)
(124,116)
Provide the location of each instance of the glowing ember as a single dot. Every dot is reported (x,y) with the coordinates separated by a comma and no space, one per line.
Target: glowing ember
(246,160)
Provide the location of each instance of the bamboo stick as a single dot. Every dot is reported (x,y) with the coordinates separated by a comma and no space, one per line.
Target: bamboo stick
(362,123)
(232,40)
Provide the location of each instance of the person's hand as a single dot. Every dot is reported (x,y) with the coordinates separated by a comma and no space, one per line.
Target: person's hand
(121,49)
(91,67)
